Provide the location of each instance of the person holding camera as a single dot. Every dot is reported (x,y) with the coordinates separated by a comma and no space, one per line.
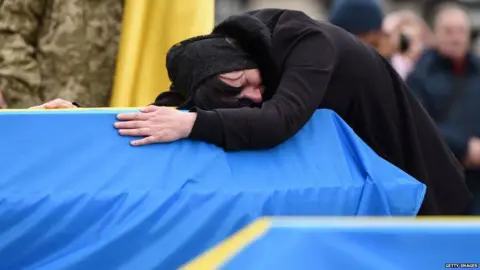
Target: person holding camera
(414,37)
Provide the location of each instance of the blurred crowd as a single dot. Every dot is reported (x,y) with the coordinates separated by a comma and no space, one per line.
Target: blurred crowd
(68,49)
(437,63)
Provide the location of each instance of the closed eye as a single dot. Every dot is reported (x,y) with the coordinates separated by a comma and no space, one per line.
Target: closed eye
(232,75)
(235,82)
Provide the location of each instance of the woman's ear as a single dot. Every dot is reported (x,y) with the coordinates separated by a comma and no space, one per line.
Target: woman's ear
(169,99)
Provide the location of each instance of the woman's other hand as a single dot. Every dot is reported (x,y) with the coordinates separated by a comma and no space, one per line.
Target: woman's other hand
(56,104)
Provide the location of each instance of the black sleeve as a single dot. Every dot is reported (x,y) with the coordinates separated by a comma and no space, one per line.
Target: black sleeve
(74,103)
(169,99)
(304,82)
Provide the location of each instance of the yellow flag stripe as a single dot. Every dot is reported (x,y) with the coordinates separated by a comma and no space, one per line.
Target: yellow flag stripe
(220,254)
(149,29)
(133,23)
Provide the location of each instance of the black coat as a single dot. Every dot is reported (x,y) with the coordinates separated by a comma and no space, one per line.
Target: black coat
(434,83)
(309,65)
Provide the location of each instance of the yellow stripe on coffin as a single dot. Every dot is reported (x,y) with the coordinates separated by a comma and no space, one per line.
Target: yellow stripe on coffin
(220,254)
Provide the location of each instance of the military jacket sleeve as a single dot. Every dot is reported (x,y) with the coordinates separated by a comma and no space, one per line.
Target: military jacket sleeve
(19,71)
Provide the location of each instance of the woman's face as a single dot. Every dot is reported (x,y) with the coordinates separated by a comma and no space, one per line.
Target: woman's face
(249,80)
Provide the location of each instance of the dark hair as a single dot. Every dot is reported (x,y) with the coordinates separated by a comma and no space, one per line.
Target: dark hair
(215,94)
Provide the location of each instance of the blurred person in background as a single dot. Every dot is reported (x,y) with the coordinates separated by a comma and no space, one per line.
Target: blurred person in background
(446,80)
(58,49)
(364,19)
(414,37)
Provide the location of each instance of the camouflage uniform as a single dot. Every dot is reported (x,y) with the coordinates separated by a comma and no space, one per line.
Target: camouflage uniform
(58,49)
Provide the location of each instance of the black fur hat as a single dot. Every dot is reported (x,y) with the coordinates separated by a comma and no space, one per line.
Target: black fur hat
(239,42)
(255,37)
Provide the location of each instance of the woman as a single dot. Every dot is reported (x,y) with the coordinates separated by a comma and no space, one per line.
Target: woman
(258,79)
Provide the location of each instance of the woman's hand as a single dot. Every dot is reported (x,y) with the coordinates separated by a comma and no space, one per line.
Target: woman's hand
(56,104)
(156,125)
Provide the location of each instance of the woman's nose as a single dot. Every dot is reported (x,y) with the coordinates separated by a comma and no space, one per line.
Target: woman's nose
(252,93)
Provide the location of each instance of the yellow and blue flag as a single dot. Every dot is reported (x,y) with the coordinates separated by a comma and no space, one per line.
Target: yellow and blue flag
(150,28)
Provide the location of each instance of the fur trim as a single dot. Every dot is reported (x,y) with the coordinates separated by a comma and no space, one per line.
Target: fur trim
(256,39)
